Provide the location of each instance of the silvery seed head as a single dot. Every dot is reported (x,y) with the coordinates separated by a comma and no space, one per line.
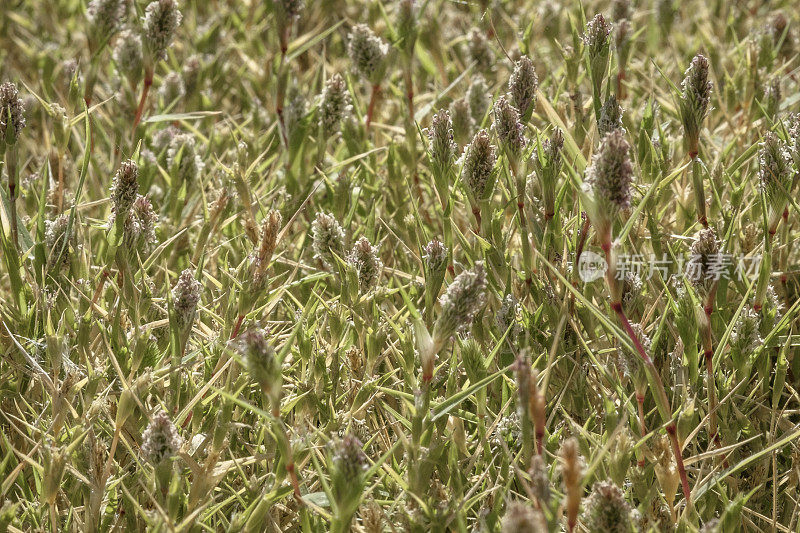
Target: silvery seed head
(140,226)
(124,188)
(463,123)
(477,165)
(609,179)
(596,43)
(334,105)
(695,100)
(185,297)
(58,242)
(435,257)
(328,238)
(610,116)
(191,72)
(172,89)
(508,127)
(462,300)
(443,148)
(161,20)
(104,17)
(160,439)
(606,509)
(705,259)
(368,53)
(260,360)
(540,482)
(479,51)
(12,113)
(621,9)
(746,335)
(479,98)
(364,257)
(522,86)
(774,173)
(348,462)
(406,25)
(522,517)
(128,55)
(183,160)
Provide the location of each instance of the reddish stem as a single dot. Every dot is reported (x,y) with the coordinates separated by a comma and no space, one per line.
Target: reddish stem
(148,82)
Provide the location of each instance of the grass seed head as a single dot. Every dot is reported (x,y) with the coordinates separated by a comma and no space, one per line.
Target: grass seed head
(521,517)
(368,53)
(185,297)
(477,165)
(161,21)
(462,300)
(508,127)
(334,105)
(364,257)
(606,509)
(104,17)
(695,101)
(12,113)
(328,237)
(160,439)
(463,123)
(522,85)
(124,188)
(443,148)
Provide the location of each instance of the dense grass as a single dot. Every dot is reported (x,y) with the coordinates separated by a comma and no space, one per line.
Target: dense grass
(253,284)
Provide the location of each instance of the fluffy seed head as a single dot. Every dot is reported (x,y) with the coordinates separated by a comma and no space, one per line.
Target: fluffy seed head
(596,37)
(161,20)
(124,188)
(606,509)
(610,116)
(478,98)
(462,300)
(328,238)
(364,257)
(477,164)
(12,111)
(160,439)
(58,242)
(479,50)
(435,256)
(746,335)
(523,85)
(609,175)
(368,53)
(171,89)
(695,100)
(128,55)
(140,226)
(704,258)
(508,127)
(463,123)
(348,458)
(774,171)
(443,148)
(183,160)
(334,105)
(185,297)
(104,17)
(521,517)
(260,359)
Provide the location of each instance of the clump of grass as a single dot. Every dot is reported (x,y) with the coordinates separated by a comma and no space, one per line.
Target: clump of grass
(415,265)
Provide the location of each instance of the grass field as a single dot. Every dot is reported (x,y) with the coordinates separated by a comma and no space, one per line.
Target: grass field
(408,265)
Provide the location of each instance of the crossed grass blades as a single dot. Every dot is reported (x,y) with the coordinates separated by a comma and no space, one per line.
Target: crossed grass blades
(314,266)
